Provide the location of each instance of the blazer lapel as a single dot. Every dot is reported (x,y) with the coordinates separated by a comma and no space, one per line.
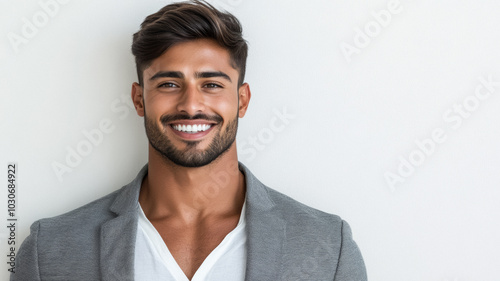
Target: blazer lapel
(117,248)
(266,232)
(118,235)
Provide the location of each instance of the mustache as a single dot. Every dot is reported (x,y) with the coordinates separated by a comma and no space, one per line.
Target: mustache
(165,119)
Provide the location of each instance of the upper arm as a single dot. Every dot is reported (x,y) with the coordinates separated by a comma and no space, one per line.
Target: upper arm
(350,266)
(27,257)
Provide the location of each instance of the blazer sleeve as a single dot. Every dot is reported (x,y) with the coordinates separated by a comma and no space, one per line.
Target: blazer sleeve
(350,266)
(27,257)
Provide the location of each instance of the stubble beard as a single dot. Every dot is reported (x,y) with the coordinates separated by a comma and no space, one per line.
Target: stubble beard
(190,156)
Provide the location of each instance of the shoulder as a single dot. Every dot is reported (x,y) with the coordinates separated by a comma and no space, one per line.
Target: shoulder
(295,212)
(120,201)
(68,246)
(82,226)
(306,224)
(85,216)
(315,244)
(67,239)
(296,215)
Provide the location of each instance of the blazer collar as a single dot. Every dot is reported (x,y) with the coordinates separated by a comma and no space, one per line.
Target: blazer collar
(126,200)
(118,235)
(265,229)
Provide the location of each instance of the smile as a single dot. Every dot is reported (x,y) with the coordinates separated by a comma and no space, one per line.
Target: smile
(191,129)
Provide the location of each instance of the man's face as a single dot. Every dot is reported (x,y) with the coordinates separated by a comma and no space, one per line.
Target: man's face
(191,103)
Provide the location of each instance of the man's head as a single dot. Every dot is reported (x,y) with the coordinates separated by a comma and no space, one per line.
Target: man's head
(191,61)
(186,21)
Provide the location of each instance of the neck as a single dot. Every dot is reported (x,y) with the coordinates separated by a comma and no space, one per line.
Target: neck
(191,193)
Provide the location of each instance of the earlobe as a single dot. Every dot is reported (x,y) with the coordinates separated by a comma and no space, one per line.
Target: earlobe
(244,99)
(138,99)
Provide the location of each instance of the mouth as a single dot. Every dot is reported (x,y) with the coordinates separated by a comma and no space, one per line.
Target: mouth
(191,129)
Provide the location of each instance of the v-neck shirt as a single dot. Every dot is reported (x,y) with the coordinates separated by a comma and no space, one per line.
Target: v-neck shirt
(153,260)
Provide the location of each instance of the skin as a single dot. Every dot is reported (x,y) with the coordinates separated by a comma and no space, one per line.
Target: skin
(191,210)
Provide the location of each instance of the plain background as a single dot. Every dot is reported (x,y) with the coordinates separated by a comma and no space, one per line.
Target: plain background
(354,118)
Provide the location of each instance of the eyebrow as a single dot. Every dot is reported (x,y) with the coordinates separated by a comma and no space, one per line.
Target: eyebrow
(210,74)
(171,74)
(178,74)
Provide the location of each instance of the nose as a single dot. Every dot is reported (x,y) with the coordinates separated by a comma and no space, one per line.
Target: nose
(191,101)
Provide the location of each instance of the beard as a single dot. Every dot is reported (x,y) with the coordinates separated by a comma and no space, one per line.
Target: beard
(190,156)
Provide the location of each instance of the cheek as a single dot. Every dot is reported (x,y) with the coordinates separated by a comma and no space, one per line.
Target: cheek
(158,105)
(227,108)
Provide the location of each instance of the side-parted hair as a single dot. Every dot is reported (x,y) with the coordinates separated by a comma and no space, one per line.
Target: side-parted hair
(186,21)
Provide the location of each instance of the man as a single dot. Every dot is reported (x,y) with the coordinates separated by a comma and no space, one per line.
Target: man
(193,212)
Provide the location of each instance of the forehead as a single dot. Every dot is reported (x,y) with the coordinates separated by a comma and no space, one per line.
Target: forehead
(193,56)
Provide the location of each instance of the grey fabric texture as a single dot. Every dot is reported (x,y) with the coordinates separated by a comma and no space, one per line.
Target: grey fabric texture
(286,240)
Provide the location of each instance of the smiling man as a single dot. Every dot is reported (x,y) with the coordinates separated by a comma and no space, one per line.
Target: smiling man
(193,212)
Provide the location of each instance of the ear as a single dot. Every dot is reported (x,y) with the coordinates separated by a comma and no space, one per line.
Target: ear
(244,95)
(138,99)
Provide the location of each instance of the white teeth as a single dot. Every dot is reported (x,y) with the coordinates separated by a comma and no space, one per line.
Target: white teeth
(191,128)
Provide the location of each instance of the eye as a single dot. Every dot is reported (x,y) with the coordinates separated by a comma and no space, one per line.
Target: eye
(212,85)
(168,85)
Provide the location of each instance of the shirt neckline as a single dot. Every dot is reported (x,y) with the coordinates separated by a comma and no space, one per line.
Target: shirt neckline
(163,253)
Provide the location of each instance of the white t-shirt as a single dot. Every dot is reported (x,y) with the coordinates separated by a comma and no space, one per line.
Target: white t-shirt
(154,262)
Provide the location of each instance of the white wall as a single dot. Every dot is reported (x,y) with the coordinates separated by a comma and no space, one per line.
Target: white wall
(359,107)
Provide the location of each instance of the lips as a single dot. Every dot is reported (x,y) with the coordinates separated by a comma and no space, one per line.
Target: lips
(192,129)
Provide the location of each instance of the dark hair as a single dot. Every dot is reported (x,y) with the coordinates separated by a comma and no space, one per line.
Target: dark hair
(186,21)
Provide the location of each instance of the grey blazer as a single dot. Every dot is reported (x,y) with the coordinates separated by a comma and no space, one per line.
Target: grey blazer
(286,240)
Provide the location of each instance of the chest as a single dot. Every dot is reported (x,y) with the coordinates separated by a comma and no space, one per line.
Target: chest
(191,244)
